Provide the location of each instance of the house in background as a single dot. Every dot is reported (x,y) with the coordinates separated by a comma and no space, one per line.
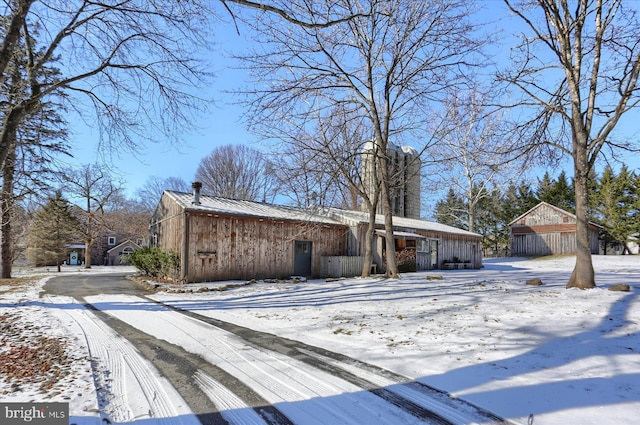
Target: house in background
(224,239)
(548,230)
(119,227)
(117,255)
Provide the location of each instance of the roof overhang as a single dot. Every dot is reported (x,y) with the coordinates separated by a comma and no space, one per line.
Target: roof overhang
(404,235)
(75,246)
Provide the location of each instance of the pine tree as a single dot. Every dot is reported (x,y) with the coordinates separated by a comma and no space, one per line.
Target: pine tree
(54,228)
(614,205)
(517,200)
(452,211)
(557,192)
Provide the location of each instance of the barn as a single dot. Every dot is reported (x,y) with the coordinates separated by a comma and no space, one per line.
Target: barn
(226,239)
(546,230)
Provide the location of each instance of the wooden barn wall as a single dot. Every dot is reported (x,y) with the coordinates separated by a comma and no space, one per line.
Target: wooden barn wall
(167,225)
(537,243)
(233,247)
(546,231)
(544,216)
(466,248)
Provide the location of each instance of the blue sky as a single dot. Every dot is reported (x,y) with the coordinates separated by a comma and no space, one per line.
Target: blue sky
(223,124)
(219,127)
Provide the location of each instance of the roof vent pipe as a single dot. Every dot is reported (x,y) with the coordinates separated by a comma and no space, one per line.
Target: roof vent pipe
(196,192)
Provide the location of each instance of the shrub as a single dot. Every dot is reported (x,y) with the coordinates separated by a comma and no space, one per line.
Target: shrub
(154,262)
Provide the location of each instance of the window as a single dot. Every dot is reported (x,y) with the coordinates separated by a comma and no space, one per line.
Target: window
(111,241)
(423,245)
(127,251)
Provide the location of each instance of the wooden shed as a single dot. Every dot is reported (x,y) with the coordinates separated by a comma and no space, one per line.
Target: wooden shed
(546,230)
(224,239)
(435,245)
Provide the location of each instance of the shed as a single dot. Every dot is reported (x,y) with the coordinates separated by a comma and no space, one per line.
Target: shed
(546,230)
(223,239)
(436,245)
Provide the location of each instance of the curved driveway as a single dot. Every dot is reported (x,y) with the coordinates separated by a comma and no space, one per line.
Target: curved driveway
(381,392)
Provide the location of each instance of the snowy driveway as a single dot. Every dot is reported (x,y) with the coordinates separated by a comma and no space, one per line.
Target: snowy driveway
(172,364)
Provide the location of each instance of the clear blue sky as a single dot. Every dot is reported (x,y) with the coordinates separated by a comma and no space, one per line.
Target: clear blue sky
(223,124)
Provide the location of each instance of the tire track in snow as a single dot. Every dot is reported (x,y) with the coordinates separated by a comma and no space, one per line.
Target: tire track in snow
(417,398)
(314,397)
(128,388)
(180,367)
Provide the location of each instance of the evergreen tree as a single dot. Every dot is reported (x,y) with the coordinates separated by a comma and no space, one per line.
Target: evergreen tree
(53,229)
(557,192)
(490,223)
(452,211)
(614,204)
(517,200)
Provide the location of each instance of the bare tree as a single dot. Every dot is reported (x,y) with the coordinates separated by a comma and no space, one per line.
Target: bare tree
(149,195)
(131,72)
(579,67)
(388,62)
(237,172)
(324,168)
(94,188)
(470,157)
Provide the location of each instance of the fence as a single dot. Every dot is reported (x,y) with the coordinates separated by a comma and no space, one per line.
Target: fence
(341,266)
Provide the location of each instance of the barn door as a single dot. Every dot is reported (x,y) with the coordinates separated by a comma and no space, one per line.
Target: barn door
(302,258)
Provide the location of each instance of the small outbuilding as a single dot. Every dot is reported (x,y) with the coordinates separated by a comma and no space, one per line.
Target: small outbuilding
(225,239)
(547,230)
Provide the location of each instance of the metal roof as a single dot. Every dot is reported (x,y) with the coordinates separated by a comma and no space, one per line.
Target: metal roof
(213,204)
(335,216)
(404,222)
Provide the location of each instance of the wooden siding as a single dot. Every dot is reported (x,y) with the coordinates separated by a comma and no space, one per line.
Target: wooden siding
(465,248)
(546,230)
(342,266)
(225,247)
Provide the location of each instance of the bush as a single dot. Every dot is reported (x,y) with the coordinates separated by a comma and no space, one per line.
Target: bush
(154,262)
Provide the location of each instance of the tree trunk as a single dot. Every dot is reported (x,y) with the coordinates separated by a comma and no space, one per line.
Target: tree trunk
(369,241)
(6,205)
(392,266)
(583,275)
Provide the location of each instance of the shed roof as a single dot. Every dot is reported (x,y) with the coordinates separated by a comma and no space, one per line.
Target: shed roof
(357,217)
(553,207)
(335,216)
(213,204)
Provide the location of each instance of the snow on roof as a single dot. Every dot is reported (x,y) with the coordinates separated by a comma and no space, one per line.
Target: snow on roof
(336,216)
(409,223)
(215,204)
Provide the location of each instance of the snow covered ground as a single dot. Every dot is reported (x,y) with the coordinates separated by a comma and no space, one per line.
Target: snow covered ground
(563,356)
